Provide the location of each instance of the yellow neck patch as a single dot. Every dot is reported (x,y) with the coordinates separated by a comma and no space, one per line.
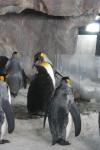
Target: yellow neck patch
(1,78)
(45,64)
(68,81)
(18,55)
(49,69)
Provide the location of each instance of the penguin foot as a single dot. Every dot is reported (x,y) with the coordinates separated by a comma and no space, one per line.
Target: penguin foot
(63,142)
(40,114)
(53,142)
(4,141)
(14,94)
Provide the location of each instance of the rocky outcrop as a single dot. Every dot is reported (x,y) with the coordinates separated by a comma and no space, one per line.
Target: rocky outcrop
(29,33)
(51,7)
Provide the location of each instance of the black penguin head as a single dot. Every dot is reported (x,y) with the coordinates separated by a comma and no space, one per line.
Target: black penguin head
(37,57)
(65,78)
(14,53)
(41,57)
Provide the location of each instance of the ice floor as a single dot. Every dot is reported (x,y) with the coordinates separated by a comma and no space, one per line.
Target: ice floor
(29,134)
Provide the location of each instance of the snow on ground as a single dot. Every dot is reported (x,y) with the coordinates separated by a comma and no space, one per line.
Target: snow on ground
(29,134)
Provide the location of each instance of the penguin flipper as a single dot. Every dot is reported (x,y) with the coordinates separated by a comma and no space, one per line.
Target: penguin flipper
(46,112)
(76,118)
(45,117)
(99,121)
(9,115)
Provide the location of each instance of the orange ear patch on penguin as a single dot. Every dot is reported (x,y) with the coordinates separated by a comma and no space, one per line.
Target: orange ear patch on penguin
(2,78)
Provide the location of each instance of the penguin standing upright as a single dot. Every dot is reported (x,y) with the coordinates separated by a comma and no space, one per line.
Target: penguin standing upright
(42,86)
(61,110)
(16,77)
(6,113)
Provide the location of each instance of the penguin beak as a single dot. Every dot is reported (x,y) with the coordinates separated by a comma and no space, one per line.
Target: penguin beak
(75,113)
(46,59)
(9,115)
(39,62)
(42,58)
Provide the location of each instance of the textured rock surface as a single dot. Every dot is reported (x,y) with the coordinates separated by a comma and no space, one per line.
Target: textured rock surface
(51,7)
(32,31)
(28,33)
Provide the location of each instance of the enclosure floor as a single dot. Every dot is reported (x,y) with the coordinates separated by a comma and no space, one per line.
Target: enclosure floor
(29,134)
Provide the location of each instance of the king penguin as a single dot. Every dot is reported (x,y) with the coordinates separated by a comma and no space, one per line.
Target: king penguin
(42,86)
(16,77)
(6,112)
(62,112)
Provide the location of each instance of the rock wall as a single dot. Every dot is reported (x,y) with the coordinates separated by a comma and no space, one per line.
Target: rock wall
(30,32)
(31,25)
(51,7)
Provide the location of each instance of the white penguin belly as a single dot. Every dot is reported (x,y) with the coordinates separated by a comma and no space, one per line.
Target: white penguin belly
(3,128)
(69,125)
(9,95)
(51,73)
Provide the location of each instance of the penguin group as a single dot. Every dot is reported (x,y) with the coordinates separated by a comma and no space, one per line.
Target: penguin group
(56,103)
(43,98)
